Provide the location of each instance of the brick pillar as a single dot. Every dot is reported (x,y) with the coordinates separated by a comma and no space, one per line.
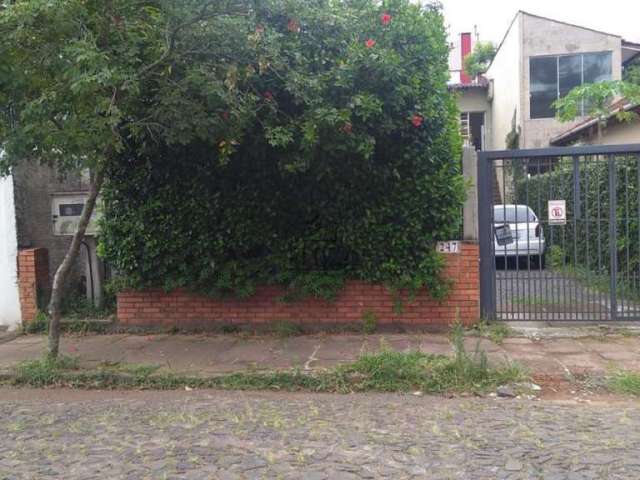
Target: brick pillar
(33,280)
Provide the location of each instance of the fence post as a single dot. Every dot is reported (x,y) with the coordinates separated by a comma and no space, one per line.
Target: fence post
(613,240)
(485,236)
(470,209)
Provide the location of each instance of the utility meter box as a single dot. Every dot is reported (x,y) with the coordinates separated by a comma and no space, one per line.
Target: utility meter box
(66,209)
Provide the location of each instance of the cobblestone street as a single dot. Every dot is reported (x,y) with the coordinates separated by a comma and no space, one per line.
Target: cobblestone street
(232,435)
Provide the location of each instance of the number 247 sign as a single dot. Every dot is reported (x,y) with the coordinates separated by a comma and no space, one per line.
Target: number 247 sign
(557,212)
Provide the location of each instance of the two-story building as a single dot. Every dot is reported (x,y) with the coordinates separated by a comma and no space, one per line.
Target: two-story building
(538,61)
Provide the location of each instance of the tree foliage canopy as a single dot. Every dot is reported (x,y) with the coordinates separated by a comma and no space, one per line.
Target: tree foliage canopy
(86,82)
(301,143)
(81,80)
(478,61)
(595,99)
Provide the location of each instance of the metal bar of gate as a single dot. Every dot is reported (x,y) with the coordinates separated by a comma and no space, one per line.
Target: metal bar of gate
(485,230)
(563,151)
(613,255)
(592,213)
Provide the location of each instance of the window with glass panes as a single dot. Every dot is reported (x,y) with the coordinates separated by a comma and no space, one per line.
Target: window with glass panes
(551,78)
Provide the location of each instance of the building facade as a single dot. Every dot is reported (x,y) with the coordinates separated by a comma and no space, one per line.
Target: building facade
(538,61)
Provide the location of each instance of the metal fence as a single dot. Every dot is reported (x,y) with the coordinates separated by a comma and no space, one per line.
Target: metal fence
(559,233)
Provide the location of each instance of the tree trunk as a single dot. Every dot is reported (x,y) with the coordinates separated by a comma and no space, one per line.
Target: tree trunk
(62,272)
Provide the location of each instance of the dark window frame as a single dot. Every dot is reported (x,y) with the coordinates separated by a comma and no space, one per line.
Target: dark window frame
(557,58)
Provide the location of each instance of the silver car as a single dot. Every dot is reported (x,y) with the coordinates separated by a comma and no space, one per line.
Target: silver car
(518,233)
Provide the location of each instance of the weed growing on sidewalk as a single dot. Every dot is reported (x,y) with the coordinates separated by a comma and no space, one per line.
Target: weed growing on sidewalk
(369,322)
(494,331)
(40,324)
(626,383)
(43,372)
(384,371)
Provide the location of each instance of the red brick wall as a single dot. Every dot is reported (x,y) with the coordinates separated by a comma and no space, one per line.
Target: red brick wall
(33,277)
(187,310)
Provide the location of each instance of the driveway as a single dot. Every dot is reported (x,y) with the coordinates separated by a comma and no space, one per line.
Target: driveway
(231,435)
(548,295)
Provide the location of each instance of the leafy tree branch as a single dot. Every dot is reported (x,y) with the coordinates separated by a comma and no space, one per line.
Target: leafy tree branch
(478,61)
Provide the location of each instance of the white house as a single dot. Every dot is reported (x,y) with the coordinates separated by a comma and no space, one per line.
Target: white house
(538,61)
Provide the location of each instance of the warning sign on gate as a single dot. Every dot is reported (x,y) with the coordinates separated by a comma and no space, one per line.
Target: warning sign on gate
(557,212)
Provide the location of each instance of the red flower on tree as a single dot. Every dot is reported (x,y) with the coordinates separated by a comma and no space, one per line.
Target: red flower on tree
(259,29)
(417,120)
(385,18)
(347,128)
(293,26)
(225,115)
(268,95)
(370,43)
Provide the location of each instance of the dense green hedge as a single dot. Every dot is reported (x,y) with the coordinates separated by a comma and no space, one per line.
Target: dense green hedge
(583,243)
(345,166)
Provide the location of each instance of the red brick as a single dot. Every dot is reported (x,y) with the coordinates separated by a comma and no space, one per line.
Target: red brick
(33,275)
(185,308)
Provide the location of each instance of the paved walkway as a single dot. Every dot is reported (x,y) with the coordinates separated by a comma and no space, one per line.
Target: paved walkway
(211,354)
(242,436)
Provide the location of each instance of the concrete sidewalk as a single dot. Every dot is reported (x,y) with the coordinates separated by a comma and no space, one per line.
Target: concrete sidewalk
(212,354)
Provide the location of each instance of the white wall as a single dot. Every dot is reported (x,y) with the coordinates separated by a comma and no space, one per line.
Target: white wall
(475,100)
(618,134)
(9,299)
(506,74)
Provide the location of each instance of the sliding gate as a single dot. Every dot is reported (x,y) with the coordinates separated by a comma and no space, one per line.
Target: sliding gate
(559,234)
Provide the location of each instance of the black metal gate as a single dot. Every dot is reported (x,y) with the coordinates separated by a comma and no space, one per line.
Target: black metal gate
(560,234)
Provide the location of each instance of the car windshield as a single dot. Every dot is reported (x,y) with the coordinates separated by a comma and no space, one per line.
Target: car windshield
(512,214)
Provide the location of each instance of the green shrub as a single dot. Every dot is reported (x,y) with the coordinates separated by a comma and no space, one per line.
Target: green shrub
(77,307)
(369,322)
(40,324)
(341,162)
(585,244)
(556,257)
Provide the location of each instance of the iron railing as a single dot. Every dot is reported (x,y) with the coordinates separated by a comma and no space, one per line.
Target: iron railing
(532,268)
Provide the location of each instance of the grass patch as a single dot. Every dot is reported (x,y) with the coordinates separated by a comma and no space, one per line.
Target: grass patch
(43,372)
(494,331)
(627,383)
(139,370)
(384,371)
